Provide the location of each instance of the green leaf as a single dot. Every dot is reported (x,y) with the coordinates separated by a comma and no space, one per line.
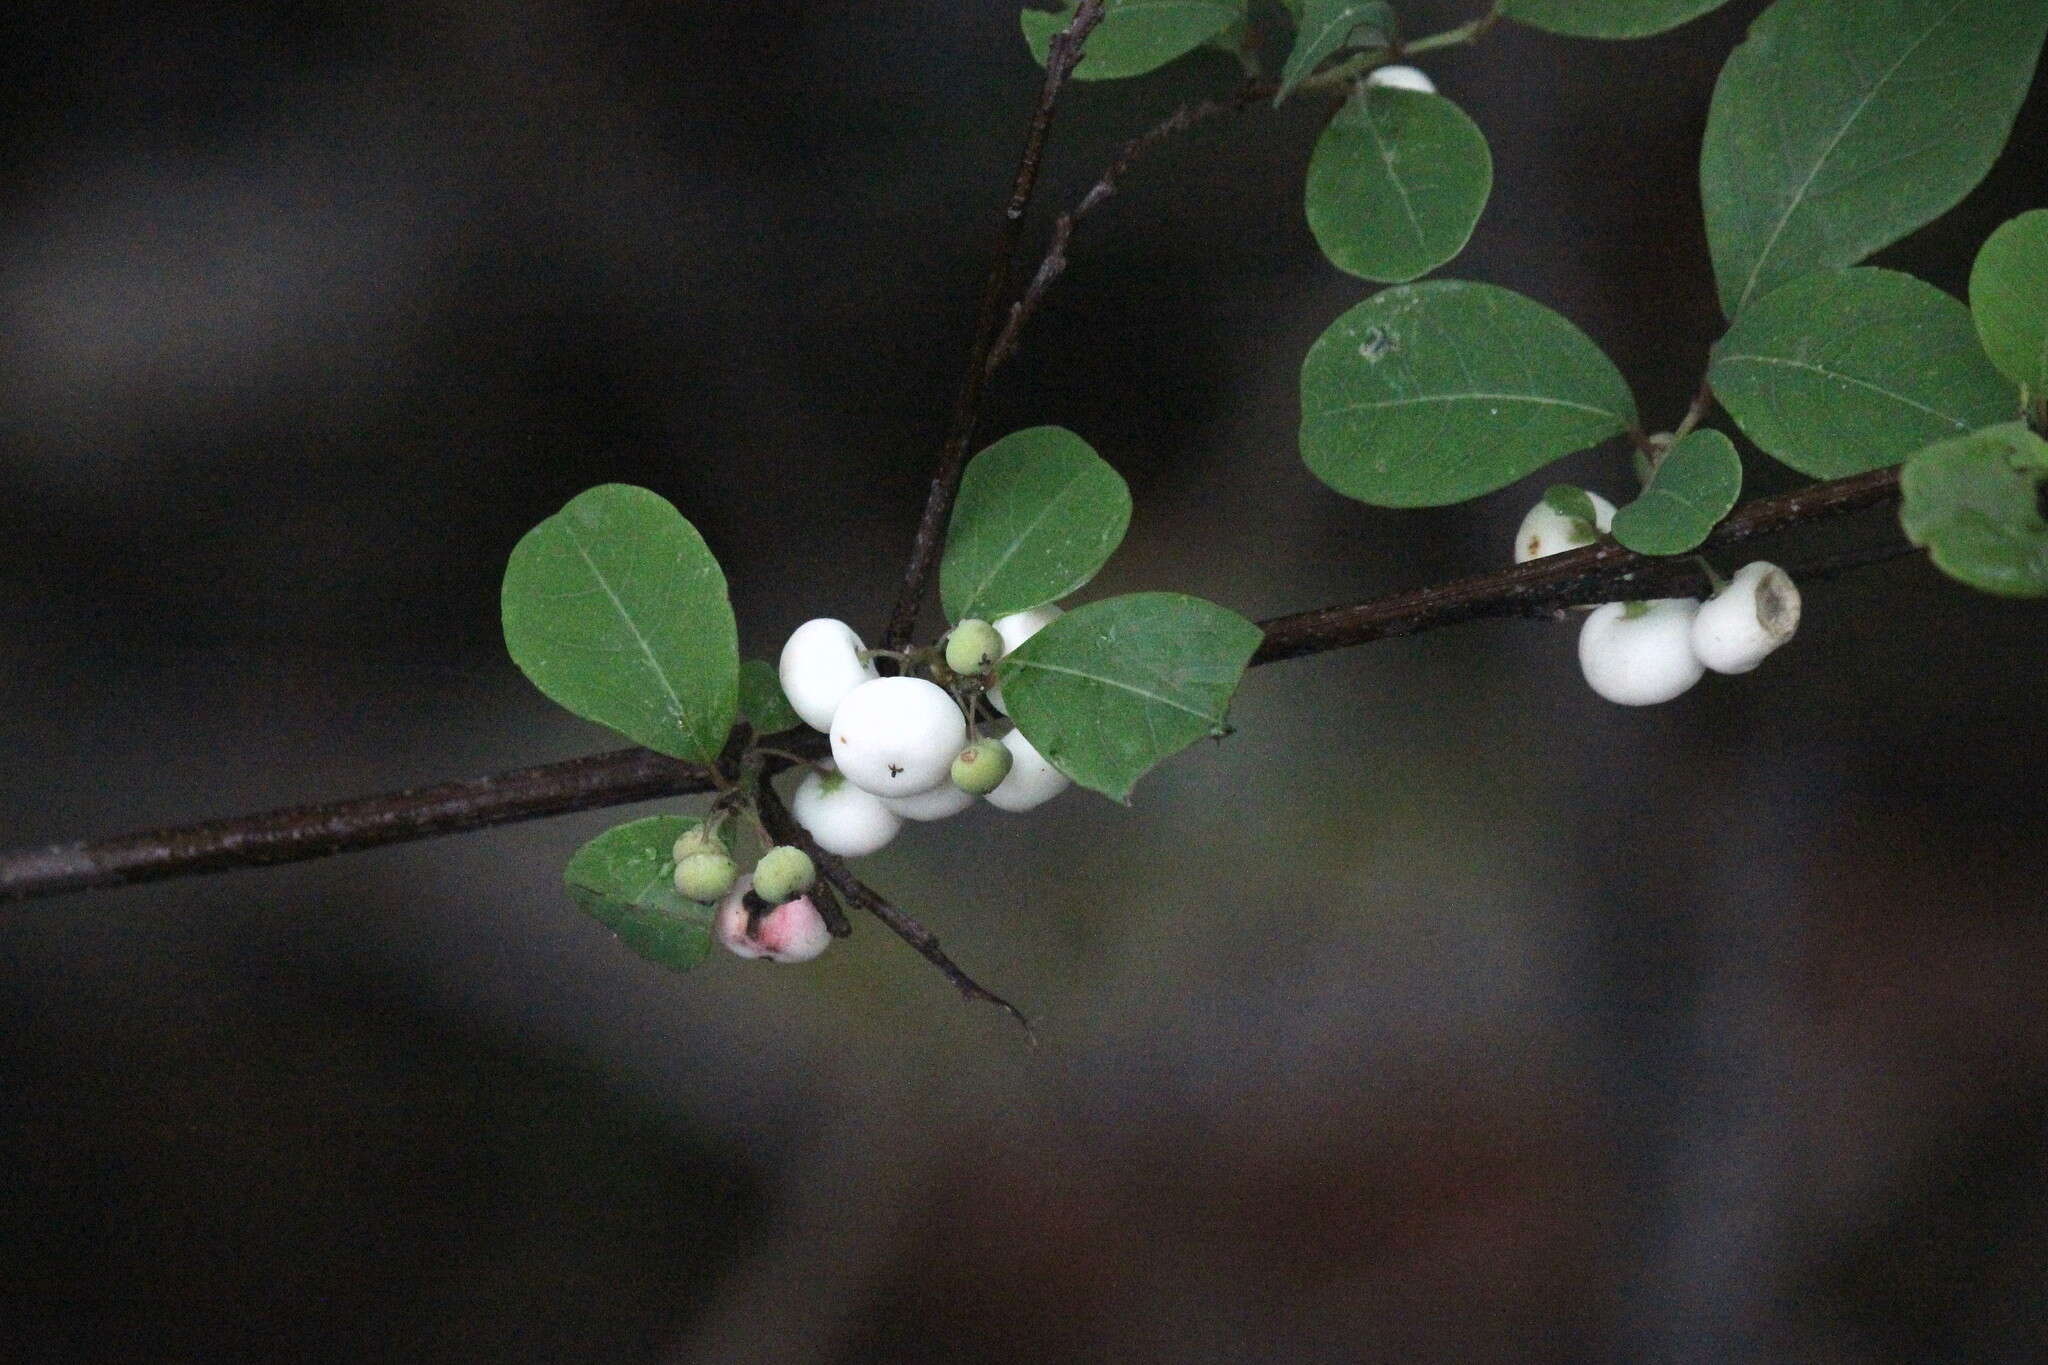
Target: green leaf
(1974,502)
(1695,485)
(1569,500)
(1038,515)
(1135,36)
(1108,690)
(1848,370)
(2009,300)
(625,879)
(1842,125)
(1607,18)
(615,608)
(762,701)
(1433,393)
(1327,28)
(1397,183)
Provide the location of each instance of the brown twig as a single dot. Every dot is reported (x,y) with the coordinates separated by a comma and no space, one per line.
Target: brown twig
(841,879)
(1597,573)
(1054,263)
(1061,57)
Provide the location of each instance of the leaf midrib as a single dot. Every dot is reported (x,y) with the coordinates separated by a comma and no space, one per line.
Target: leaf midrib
(1799,196)
(1961,424)
(676,708)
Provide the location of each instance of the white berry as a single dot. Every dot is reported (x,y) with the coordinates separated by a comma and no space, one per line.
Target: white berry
(1753,615)
(821,663)
(1015,629)
(1547,531)
(1640,653)
(1402,78)
(793,931)
(940,803)
(843,819)
(897,736)
(1032,781)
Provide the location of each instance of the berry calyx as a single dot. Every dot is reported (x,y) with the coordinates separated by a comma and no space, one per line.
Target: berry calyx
(784,873)
(705,876)
(1032,781)
(842,818)
(897,736)
(821,663)
(793,931)
(1740,625)
(972,648)
(1640,653)
(981,767)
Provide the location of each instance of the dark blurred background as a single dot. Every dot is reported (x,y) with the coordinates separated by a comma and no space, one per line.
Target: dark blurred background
(1445,1013)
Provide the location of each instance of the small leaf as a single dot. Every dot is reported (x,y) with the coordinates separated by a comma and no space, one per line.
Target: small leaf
(1842,125)
(1038,515)
(762,701)
(625,879)
(2009,300)
(1110,689)
(1848,370)
(1974,502)
(1607,18)
(1433,393)
(1695,485)
(616,609)
(1397,183)
(1327,27)
(1135,36)
(1569,500)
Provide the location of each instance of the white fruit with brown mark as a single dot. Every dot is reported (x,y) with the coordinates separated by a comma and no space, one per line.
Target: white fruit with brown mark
(1741,624)
(897,736)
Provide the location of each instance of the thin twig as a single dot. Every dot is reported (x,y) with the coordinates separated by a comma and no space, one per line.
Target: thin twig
(841,879)
(1539,588)
(1061,56)
(1054,263)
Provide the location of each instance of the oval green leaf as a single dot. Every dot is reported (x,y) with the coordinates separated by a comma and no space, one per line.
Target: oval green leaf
(2009,300)
(1607,18)
(762,701)
(1397,184)
(1842,125)
(1848,370)
(625,879)
(1135,36)
(1433,393)
(616,609)
(1327,27)
(1974,502)
(1695,485)
(1038,515)
(1110,689)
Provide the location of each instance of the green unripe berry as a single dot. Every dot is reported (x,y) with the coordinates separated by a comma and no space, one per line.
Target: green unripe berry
(981,767)
(706,877)
(972,647)
(697,839)
(784,873)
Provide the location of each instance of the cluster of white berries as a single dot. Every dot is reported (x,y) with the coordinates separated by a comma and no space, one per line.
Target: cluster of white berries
(903,748)
(1642,653)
